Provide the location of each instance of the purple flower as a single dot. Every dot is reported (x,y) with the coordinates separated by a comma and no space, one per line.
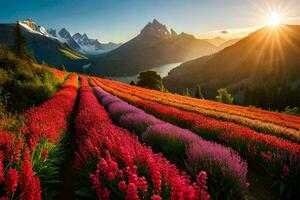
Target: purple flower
(202,154)
(107,100)
(169,130)
(118,108)
(214,155)
(101,93)
(138,121)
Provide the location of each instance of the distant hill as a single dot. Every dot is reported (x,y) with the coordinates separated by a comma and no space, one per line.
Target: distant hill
(227,44)
(155,45)
(265,61)
(45,48)
(217,41)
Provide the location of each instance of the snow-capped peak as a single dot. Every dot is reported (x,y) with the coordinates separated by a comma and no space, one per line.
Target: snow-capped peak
(30,26)
(89,46)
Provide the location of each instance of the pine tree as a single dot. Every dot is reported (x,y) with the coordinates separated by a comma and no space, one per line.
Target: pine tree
(132,83)
(187,92)
(63,68)
(224,97)
(19,47)
(199,93)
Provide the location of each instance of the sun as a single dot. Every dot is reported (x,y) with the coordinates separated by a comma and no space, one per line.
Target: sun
(275,20)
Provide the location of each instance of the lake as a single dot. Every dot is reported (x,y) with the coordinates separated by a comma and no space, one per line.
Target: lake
(162,70)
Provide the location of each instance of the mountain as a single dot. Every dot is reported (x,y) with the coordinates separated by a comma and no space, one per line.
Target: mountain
(217,41)
(32,27)
(81,43)
(155,45)
(266,62)
(45,48)
(90,46)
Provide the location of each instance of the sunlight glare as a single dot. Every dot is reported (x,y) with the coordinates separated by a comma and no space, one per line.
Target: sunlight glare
(274,20)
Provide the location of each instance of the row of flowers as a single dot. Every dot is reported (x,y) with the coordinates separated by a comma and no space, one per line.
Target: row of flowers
(117,166)
(249,112)
(50,120)
(279,157)
(22,153)
(182,147)
(280,126)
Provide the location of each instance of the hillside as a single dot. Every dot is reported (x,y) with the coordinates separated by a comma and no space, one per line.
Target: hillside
(45,48)
(122,129)
(155,45)
(267,54)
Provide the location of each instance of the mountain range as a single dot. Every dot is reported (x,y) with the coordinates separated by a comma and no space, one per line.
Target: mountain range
(267,59)
(45,48)
(155,45)
(81,43)
(56,48)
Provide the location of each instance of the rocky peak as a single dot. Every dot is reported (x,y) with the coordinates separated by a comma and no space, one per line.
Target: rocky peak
(52,32)
(64,33)
(155,29)
(173,33)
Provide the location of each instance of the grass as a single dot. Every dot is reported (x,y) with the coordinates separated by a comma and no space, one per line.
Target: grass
(73,55)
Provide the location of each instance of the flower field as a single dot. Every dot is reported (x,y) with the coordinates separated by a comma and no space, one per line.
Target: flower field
(123,167)
(263,121)
(24,155)
(277,156)
(126,142)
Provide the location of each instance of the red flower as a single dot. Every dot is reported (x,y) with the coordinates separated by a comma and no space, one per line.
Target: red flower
(131,192)
(11,181)
(1,171)
(122,185)
(29,184)
(286,170)
(44,153)
(155,197)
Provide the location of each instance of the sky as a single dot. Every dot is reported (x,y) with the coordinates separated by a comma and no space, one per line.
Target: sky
(121,20)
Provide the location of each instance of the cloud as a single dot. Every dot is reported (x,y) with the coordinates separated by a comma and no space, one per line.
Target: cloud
(224,32)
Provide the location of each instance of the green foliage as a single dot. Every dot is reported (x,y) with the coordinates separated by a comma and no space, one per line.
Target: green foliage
(273,95)
(291,111)
(23,85)
(151,80)
(48,168)
(199,94)
(224,97)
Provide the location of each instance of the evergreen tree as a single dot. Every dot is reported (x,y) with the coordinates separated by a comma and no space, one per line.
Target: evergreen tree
(199,93)
(187,92)
(32,56)
(224,97)
(63,68)
(19,47)
(132,82)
